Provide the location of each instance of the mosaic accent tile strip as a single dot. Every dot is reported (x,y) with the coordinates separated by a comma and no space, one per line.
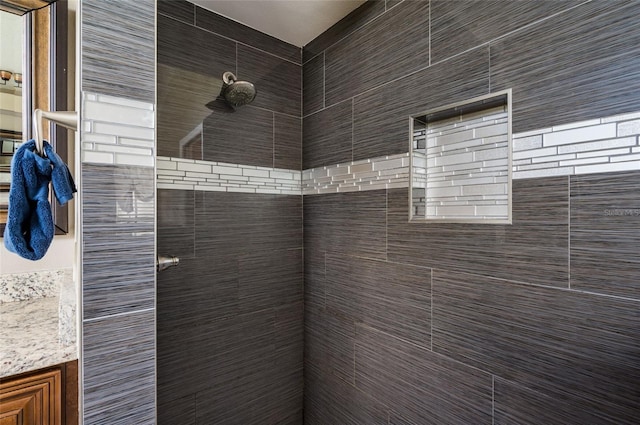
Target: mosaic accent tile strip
(596,146)
(27,286)
(117,131)
(386,172)
(188,174)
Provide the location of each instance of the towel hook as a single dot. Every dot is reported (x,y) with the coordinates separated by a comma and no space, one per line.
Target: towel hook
(67,119)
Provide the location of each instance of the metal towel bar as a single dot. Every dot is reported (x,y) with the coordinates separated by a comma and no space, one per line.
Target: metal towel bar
(67,119)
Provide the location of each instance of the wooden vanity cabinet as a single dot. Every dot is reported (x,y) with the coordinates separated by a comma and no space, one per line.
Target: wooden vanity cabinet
(40,398)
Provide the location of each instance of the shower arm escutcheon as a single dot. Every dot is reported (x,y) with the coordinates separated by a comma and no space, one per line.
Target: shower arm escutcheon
(164,262)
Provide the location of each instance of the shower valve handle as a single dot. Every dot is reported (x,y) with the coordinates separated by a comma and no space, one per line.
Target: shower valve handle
(164,262)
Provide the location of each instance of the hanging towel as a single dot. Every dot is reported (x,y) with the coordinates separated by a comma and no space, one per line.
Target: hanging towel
(63,185)
(29,229)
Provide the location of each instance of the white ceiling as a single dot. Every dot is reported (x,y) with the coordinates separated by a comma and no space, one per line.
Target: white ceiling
(294,21)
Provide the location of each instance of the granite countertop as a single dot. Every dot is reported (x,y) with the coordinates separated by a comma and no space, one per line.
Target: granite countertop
(36,333)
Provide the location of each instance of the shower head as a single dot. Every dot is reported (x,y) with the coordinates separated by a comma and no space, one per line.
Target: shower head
(237,93)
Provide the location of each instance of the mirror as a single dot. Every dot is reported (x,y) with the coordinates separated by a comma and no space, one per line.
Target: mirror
(11,51)
(33,74)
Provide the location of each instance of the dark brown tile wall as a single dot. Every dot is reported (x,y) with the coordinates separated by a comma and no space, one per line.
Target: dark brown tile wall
(205,45)
(415,323)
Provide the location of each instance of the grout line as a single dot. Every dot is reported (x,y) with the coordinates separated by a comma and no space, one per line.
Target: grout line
(391,81)
(431,311)
(353,101)
(354,31)
(324,80)
(233,39)
(324,295)
(422,347)
(493,399)
(489,55)
(569,232)
(355,338)
(429,32)
(386,226)
(110,316)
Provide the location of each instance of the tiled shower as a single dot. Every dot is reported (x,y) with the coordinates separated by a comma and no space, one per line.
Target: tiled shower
(230,316)
(304,294)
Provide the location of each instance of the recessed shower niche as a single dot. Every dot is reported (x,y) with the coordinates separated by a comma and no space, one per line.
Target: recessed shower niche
(461,162)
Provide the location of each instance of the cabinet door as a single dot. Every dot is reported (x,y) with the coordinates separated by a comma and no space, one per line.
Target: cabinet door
(32,400)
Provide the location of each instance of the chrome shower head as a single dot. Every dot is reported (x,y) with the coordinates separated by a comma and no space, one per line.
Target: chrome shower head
(237,93)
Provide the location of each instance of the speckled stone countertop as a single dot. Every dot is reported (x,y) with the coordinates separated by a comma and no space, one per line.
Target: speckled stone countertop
(37,332)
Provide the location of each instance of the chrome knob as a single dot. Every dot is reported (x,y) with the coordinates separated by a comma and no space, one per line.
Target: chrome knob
(164,262)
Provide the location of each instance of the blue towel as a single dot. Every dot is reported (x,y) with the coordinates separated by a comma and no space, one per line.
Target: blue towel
(29,229)
(63,185)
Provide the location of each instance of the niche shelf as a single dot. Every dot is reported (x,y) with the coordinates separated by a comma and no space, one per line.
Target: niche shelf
(461,162)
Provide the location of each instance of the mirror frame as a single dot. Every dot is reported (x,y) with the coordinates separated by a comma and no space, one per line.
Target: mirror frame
(45,83)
